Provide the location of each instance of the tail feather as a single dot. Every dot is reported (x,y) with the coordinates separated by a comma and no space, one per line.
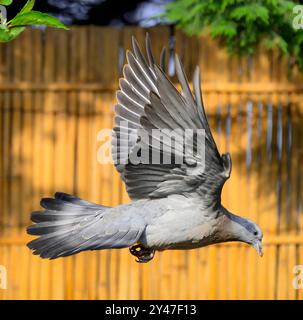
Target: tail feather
(44,216)
(75,200)
(59,205)
(50,227)
(69,225)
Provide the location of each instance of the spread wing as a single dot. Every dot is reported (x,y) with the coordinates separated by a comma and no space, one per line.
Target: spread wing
(148,102)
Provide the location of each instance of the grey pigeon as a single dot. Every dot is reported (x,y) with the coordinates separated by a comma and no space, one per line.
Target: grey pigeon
(175,205)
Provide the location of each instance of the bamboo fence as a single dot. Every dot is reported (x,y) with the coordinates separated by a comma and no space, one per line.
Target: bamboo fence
(57,91)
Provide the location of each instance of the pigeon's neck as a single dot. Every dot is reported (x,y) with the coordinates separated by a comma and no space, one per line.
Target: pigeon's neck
(233,225)
(233,217)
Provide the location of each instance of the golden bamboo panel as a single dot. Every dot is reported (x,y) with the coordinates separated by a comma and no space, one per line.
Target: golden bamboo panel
(57,91)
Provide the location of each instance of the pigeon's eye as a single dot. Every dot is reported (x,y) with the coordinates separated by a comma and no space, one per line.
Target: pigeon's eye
(255,233)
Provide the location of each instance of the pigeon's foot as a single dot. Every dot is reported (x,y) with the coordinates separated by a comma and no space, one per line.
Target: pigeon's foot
(143,254)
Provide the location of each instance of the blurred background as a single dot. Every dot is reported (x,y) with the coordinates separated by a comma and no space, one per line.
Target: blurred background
(57,91)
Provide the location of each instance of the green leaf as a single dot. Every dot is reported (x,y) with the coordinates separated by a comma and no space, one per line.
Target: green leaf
(223,28)
(27,7)
(4,36)
(14,32)
(7,35)
(6,2)
(36,18)
(251,12)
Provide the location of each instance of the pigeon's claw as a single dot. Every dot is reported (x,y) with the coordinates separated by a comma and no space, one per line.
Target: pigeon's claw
(143,254)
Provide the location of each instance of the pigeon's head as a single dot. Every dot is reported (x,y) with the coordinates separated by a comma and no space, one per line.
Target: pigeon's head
(252,234)
(247,231)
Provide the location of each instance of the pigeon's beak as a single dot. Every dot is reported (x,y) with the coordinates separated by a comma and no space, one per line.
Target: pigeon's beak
(258,246)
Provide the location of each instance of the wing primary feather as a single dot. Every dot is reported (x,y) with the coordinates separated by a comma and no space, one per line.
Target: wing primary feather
(140,57)
(129,102)
(149,52)
(163,59)
(136,83)
(201,110)
(173,101)
(130,92)
(186,90)
(133,125)
(198,95)
(125,113)
(140,73)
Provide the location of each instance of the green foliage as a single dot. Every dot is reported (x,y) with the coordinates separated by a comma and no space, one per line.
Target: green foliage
(9,30)
(36,18)
(27,8)
(241,25)
(5,2)
(10,34)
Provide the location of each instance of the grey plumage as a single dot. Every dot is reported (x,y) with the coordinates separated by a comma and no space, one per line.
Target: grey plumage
(70,225)
(176,205)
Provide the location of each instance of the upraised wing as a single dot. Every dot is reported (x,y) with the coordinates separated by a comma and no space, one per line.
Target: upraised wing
(147,102)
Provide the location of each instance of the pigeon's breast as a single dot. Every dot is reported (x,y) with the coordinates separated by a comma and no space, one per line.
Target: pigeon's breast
(182,224)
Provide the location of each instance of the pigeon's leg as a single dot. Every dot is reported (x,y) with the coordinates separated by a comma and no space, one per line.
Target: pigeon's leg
(143,254)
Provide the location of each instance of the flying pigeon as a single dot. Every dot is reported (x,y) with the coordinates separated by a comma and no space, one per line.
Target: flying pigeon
(176,204)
